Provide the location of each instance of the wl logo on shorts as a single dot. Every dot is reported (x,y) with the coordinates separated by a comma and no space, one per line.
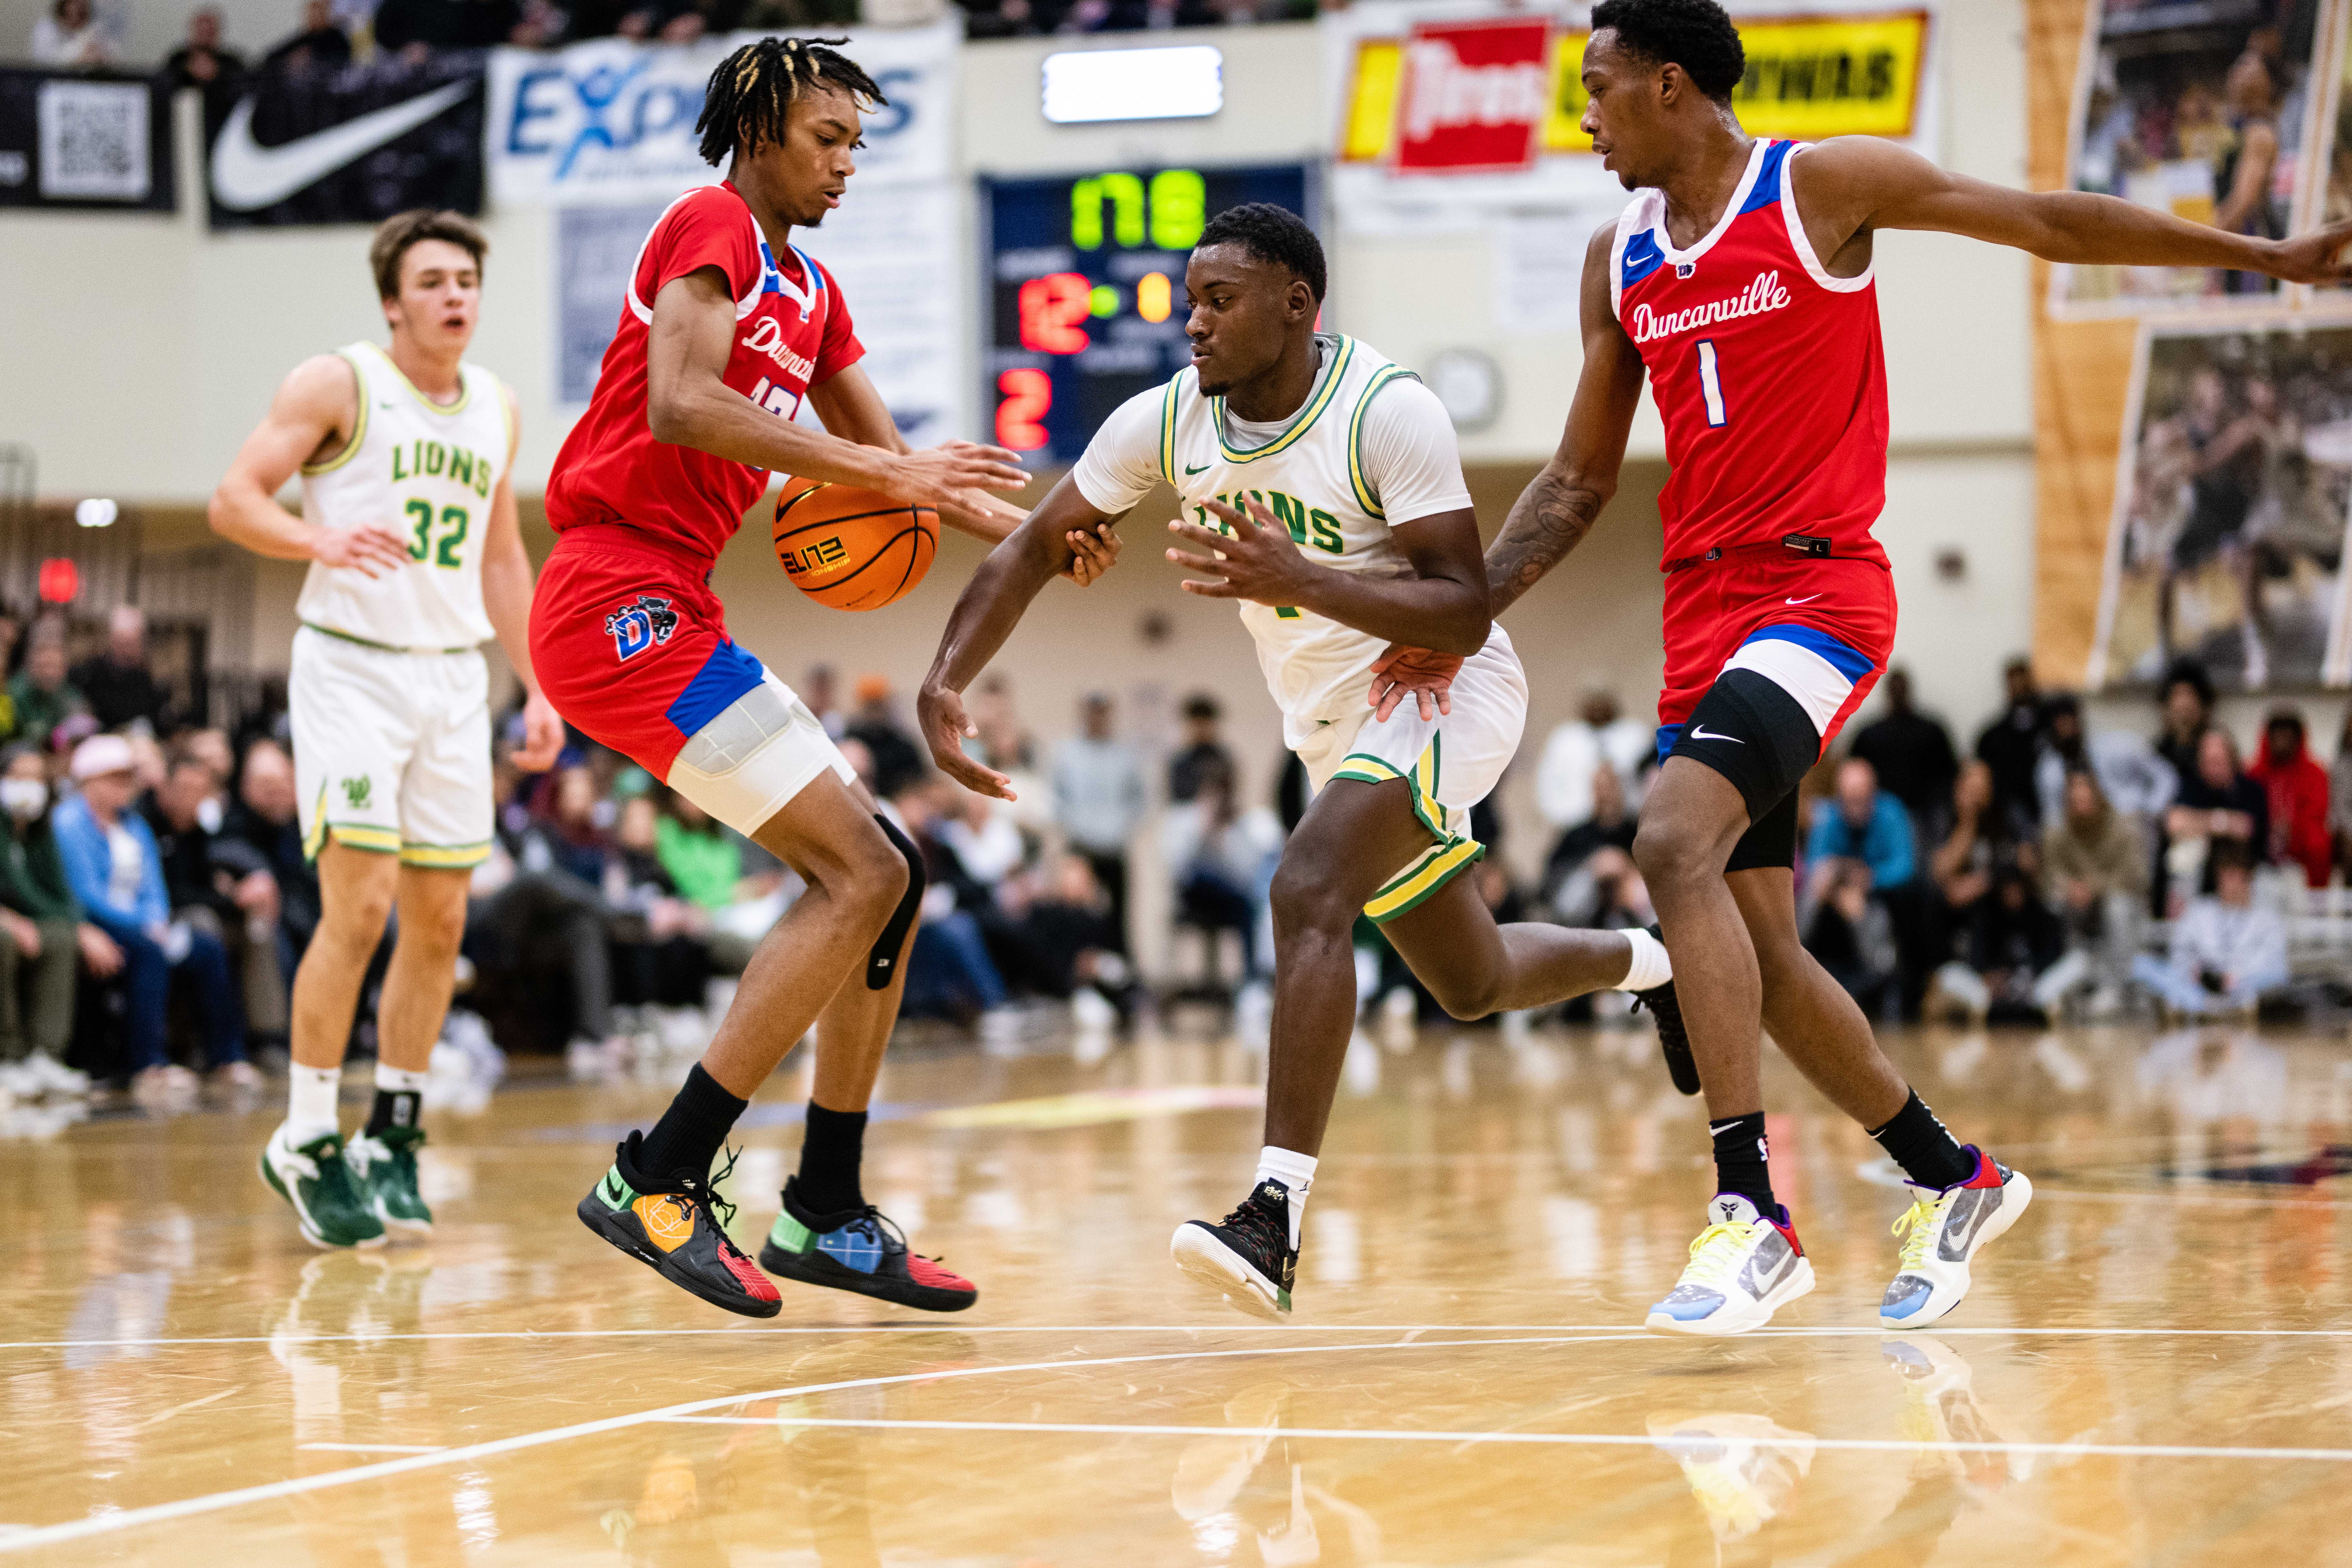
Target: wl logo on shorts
(356,791)
(640,625)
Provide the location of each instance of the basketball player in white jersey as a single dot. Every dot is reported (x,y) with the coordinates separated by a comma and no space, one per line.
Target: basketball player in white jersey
(408,522)
(1343,525)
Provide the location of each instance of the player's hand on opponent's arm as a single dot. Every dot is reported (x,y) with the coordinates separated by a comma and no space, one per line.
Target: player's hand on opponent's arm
(1405,671)
(542,735)
(370,548)
(1257,562)
(1093,551)
(934,476)
(945,726)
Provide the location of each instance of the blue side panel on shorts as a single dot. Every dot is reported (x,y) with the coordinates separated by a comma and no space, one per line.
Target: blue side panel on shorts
(1852,663)
(725,676)
(1767,193)
(1668,736)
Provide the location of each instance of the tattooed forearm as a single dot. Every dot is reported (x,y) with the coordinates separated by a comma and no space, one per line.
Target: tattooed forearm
(1550,518)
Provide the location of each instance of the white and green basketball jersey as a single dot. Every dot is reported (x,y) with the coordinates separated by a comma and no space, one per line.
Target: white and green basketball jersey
(427,472)
(1312,473)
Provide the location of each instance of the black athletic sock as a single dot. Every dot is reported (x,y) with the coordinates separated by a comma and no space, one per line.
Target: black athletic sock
(1740,1162)
(393,1107)
(1924,1146)
(833,1145)
(689,1132)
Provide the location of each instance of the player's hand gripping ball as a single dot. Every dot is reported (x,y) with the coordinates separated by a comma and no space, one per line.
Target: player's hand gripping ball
(851,549)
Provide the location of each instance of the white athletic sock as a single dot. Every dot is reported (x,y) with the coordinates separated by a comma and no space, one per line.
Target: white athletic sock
(1296,1172)
(1651,965)
(310,1101)
(396,1080)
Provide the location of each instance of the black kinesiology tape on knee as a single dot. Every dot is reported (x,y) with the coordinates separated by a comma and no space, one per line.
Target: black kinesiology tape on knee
(882,963)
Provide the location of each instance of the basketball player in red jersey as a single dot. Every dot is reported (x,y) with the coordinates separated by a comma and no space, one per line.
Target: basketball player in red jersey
(728,328)
(1739,282)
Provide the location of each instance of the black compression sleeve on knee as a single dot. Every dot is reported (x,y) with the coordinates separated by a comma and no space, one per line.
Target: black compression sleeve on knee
(882,963)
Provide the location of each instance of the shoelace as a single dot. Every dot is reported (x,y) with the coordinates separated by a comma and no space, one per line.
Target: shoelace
(1261,1227)
(1711,1262)
(1917,1225)
(703,1191)
(887,1230)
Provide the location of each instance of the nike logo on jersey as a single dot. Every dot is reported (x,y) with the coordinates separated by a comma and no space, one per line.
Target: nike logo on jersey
(247,175)
(1701,732)
(1806,600)
(1188,468)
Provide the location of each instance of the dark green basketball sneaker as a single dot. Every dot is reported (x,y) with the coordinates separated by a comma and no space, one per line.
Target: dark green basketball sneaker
(671,1223)
(862,1250)
(1247,1257)
(384,1163)
(319,1186)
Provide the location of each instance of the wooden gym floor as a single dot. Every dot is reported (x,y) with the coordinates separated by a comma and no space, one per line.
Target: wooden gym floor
(2156,1365)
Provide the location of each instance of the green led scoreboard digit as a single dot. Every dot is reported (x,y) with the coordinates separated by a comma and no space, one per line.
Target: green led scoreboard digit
(1086,289)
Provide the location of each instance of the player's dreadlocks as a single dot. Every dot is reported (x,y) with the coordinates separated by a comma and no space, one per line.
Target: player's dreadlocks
(753,89)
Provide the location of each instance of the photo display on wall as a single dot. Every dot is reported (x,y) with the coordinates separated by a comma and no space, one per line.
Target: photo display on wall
(2208,110)
(2227,542)
(1086,280)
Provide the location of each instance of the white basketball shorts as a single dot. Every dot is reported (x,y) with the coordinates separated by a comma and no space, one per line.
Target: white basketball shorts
(392,749)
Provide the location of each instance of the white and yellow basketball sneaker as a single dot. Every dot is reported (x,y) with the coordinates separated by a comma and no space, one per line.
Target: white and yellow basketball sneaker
(1942,1232)
(1744,1266)
(1743,1470)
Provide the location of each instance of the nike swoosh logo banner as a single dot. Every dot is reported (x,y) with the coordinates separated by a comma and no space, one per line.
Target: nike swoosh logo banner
(350,147)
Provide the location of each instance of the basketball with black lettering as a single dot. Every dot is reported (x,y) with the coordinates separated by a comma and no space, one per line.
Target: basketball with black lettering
(851,549)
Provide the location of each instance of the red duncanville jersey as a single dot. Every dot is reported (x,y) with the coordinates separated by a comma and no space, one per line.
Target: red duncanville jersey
(1768,373)
(792,332)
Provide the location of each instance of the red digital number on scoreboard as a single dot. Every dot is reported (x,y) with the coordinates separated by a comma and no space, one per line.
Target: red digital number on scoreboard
(1054,309)
(1027,395)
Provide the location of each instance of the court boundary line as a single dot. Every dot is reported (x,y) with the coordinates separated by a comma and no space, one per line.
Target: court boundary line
(886,1330)
(1667,1442)
(295,1486)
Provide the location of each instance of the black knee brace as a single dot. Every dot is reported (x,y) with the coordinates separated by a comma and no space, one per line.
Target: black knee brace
(882,963)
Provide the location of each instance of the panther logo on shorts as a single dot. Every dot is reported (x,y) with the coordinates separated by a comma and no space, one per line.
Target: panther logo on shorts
(640,625)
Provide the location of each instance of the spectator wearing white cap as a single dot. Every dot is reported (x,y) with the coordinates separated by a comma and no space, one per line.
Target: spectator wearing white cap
(114,870)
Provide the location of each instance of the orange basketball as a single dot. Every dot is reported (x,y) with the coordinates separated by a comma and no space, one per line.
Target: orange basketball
(851,549)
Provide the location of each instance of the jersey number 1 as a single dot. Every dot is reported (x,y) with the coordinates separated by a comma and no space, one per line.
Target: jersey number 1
(1710,384)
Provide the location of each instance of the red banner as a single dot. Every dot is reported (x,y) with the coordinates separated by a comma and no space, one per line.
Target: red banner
(1474,97)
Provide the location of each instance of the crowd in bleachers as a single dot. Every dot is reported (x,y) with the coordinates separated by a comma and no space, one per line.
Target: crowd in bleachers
(86,35)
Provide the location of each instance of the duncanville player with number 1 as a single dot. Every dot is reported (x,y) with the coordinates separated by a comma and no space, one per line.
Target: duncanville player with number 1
(1739,280)
(727,327)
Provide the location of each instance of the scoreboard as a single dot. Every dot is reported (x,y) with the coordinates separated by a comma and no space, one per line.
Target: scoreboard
(1086,277)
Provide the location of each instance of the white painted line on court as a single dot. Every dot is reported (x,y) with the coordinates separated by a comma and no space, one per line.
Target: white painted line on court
(1667,1442)
(372,1447)
(297,1486)
(886,1330)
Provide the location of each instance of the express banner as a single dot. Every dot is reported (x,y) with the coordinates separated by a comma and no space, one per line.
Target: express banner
(80,141)
(613,121)
(1438,99)
(354,145)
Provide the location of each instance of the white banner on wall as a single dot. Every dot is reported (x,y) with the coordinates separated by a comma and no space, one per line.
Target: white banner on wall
(605,129)
(613,120)
(1816,67)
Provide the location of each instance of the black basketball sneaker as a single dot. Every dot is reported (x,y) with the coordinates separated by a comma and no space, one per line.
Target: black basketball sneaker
(860,1250)
(1246,1257)
(1672,1039)
(670,1222)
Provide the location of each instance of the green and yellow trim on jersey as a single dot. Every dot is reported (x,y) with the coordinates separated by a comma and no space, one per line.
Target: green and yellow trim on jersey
(358,426)
(1364,497)
(465,388)
(1335,373)
(1168,429)
(1439,863)
(444,857)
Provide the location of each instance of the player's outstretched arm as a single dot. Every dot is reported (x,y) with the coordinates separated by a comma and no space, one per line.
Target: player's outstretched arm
(1849,184)
(506,598)
(852,409)
(315,409)
(1563,501)
(689,404)
(991,605)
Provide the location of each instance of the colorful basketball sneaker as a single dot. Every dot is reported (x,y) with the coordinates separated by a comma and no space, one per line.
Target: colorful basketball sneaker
(1246,1257)
(673,1224)
(1942,1232)
(861,1250)
(318,1184)
(1673,1040)
(384,1164)
(1744,1266)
